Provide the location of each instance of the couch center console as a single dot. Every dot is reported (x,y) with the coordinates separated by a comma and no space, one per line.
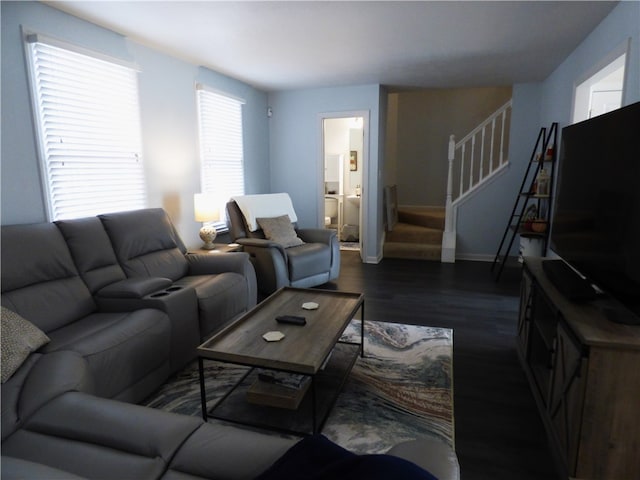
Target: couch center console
(583,372)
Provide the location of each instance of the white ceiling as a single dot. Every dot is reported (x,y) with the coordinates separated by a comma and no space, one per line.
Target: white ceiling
(291,45)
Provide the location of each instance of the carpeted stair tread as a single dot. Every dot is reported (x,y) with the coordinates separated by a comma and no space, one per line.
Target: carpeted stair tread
(408,233)
(417,235)
(431,217)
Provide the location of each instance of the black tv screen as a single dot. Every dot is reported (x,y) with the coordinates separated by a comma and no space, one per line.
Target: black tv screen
(596,221)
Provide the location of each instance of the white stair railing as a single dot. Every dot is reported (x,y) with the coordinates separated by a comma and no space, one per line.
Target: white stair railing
(477,157)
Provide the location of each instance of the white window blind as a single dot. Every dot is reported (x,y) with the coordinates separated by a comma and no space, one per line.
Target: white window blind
(221,149)
(89,128)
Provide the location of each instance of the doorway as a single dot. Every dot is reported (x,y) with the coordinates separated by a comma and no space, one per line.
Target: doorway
(344,159)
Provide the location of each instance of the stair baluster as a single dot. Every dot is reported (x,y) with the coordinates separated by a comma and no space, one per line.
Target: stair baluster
(466,170)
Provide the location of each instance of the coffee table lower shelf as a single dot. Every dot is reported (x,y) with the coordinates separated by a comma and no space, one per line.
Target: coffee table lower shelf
(311,414)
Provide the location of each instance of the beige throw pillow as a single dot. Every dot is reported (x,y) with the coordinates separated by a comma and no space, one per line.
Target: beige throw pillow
(280,230)
(19,337)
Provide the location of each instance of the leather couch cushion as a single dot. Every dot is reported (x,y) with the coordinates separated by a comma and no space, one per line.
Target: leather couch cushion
(99,438)
(120,348)
(19,339)
(220,451)
(92,251)
(39,279)
(146,243)
(17,469)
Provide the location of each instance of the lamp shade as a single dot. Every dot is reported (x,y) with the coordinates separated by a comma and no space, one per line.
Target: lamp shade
(205,207)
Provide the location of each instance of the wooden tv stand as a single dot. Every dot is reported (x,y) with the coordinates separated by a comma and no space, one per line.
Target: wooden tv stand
(584,371)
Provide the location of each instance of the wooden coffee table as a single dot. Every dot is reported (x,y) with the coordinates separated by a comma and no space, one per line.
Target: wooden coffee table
(312,350)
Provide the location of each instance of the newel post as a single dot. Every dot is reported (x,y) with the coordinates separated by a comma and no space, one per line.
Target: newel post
(448,254)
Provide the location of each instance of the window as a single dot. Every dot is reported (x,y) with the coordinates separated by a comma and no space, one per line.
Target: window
(221,150)
(88,122)
(602,90)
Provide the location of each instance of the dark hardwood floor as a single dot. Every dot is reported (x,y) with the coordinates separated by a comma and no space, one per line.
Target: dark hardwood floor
(498,432)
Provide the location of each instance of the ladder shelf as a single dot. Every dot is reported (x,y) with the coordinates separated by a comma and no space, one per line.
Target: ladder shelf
(531,213)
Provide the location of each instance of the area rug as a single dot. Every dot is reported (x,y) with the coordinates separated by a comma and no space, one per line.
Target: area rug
(350,246)
(401,390)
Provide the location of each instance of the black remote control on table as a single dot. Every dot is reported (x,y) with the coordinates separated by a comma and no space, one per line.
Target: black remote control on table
(292,319)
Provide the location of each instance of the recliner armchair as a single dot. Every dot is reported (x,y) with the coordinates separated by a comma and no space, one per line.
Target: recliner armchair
(315,262)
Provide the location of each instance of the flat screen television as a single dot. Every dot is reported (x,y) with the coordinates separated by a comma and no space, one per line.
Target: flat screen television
(596,220)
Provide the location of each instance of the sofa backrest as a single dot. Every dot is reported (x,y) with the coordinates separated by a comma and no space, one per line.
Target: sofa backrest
(238,225)
(92,252)
(39,278)
(146,243)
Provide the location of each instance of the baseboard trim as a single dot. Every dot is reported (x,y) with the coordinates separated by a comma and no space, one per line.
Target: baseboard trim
(477,257)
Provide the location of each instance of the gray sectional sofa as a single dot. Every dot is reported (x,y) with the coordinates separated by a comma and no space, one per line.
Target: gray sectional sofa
(123,306)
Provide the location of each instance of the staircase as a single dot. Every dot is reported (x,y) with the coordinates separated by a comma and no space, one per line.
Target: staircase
(429,233)
(474,162)
(417,235)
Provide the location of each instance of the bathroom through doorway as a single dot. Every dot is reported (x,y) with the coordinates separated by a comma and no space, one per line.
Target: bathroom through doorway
(344,161)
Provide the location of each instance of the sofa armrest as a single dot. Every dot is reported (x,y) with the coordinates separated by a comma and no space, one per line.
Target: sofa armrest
(270,264)
(208,264)
(328,237)
(180,303)
(317,235)
(40,379)
(236,262)
(137,287)
(259,243)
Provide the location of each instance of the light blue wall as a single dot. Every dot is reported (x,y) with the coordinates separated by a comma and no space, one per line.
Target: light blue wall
(483,219)
(281,153)
(557,90)
(481,222)
(296,148)
(168,114)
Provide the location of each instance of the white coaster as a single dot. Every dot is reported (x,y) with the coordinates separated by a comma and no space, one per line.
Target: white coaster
(274,336)
(310,306)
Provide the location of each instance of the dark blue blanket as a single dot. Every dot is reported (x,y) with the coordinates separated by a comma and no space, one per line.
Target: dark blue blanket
(317,458)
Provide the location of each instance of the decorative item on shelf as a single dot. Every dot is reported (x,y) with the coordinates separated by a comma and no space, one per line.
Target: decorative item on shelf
(528,218)
(542,183)
(278,389)
(548,156)
(206,210)
(539,225)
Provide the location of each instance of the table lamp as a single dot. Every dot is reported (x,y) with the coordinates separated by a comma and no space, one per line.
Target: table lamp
(206,210)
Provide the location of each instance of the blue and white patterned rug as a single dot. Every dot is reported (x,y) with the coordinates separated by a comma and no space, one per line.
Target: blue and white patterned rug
(401,390)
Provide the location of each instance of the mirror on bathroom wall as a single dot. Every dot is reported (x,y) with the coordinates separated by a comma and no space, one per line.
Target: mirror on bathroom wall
(333,177)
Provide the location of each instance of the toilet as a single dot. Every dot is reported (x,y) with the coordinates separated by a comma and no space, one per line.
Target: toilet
(330,210)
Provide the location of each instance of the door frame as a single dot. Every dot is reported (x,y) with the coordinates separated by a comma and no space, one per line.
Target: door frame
(364,197)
